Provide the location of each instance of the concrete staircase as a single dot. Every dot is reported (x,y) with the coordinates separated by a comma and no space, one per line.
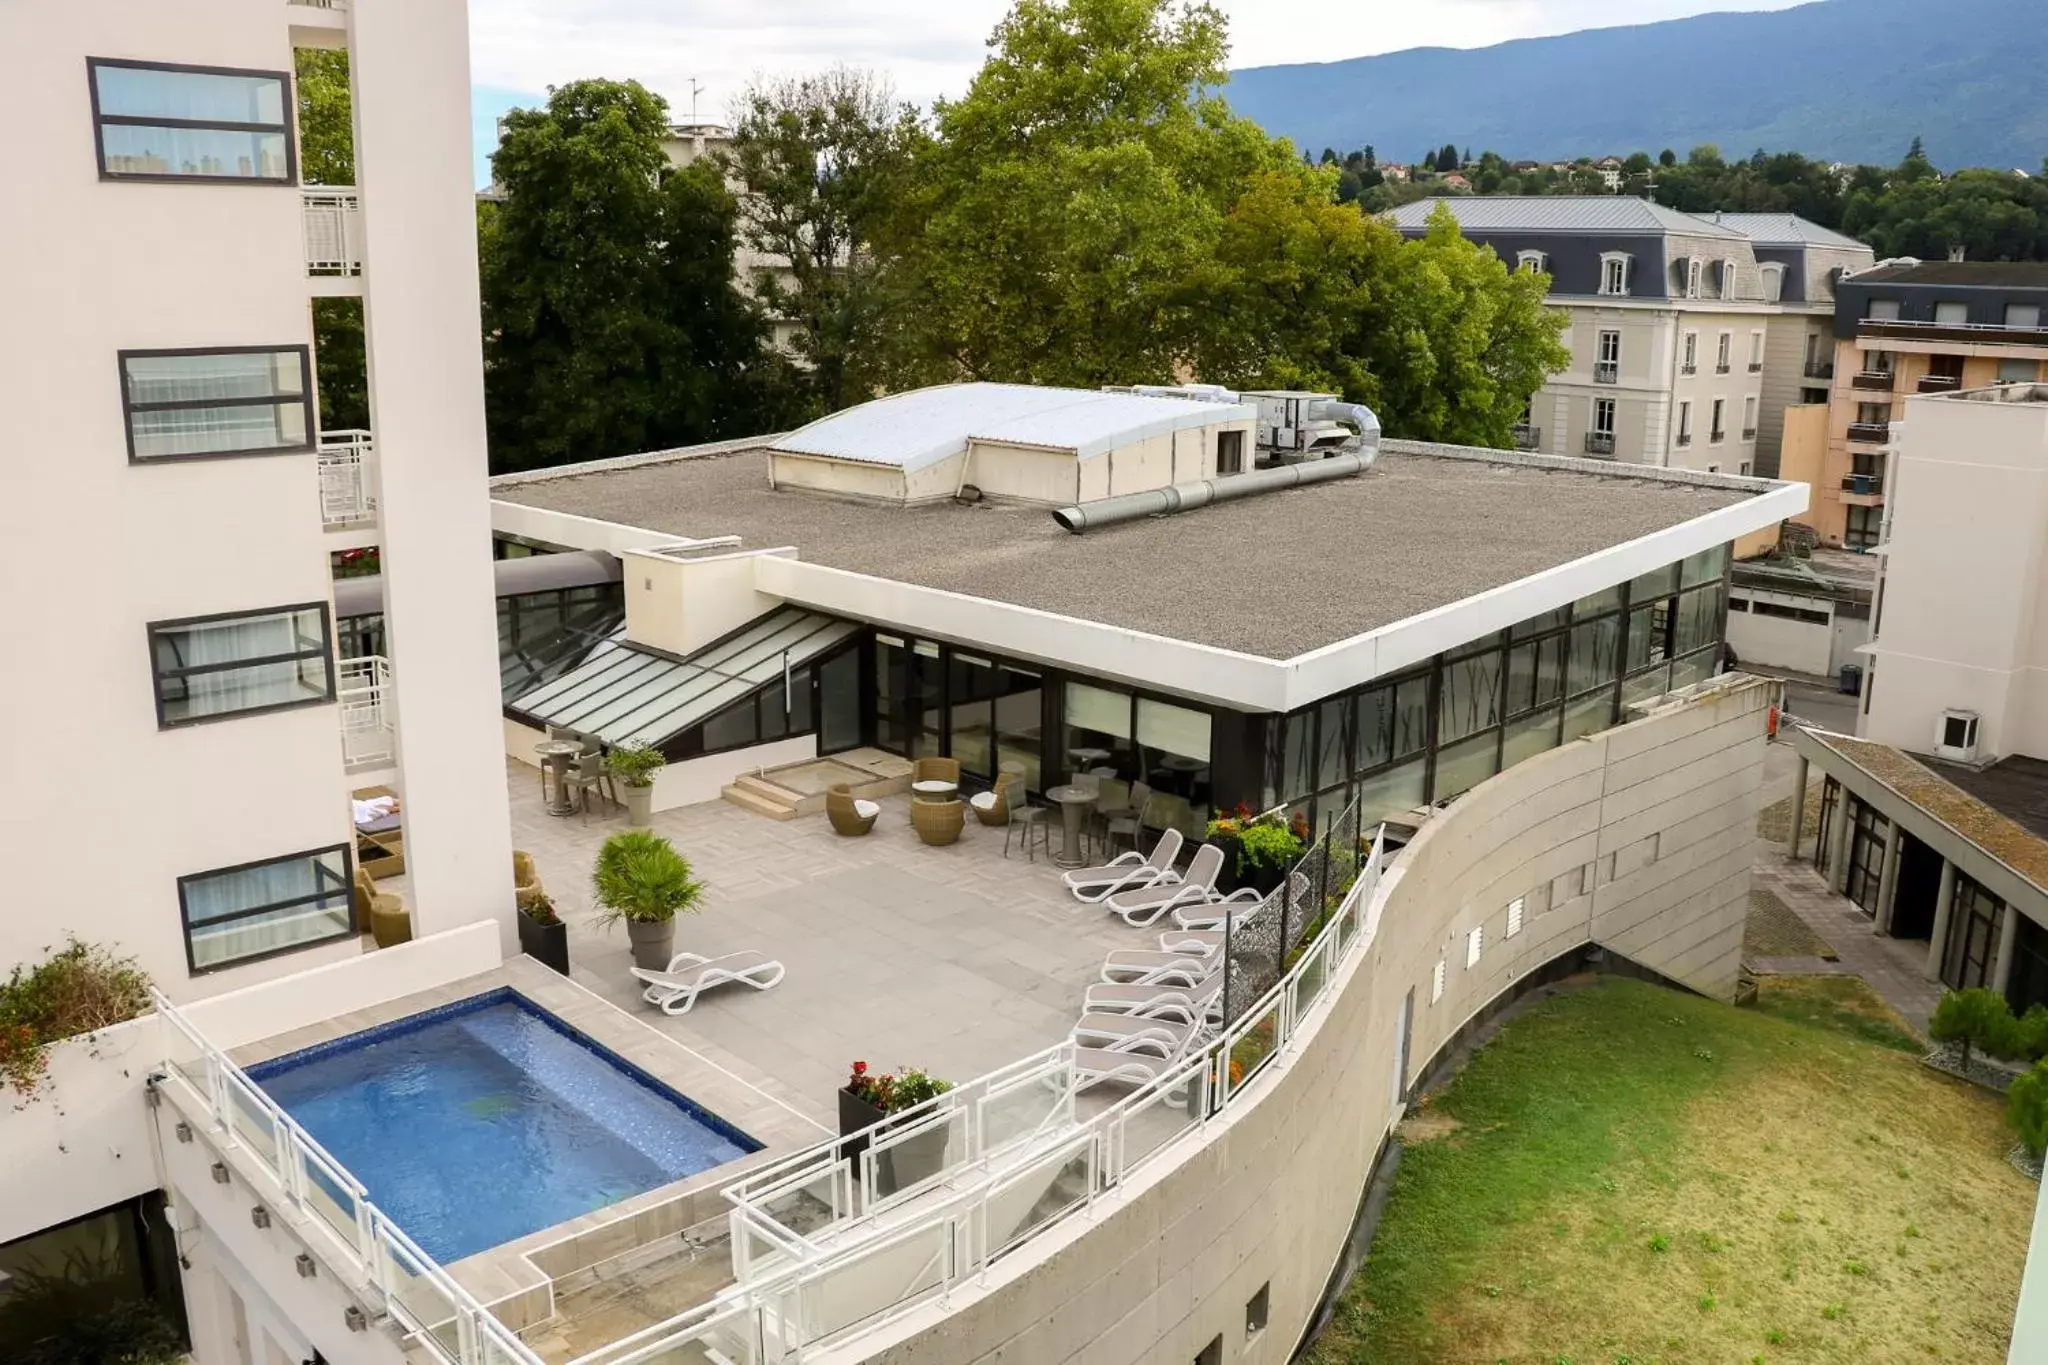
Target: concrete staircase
(763,797)
(799,788)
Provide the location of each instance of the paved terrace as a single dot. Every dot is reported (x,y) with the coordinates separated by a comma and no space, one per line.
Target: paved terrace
(1415,533)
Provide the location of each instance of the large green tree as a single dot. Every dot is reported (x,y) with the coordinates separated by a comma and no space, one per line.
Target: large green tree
(611,320)
(821,161)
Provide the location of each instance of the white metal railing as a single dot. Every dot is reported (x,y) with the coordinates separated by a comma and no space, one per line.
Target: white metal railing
(817,1256)
(421,1297)
(348,477)
(363,686)
(332,218)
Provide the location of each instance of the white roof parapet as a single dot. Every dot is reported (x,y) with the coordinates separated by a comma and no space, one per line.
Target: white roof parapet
(920,428)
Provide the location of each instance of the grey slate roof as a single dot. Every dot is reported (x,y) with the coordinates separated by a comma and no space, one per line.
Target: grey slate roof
(1990,274)
(1570,214)
(1783,229)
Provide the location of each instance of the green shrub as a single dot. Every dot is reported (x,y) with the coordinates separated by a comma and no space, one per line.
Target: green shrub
(2026,1109)
(1976,1018)
(81,988)
(2033,1033)
(640,876)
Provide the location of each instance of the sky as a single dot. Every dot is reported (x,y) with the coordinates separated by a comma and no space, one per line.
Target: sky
(706,50)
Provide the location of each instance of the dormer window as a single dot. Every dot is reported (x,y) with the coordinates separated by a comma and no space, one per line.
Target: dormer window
(1615,269)
(1728,279)
(1535,262)
(1774,281)
(1694,270)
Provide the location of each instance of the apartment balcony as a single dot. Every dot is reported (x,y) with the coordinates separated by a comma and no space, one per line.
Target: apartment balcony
(348,478)
(332,219)
(1600,443)
(1820,369)
(1872,381)
(1863,483)
(1528,437)
(1606,372)
(1938,383)
(369,736)
(1967,333)
(1874,433)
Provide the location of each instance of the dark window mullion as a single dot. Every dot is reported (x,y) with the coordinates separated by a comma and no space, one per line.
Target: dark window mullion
(197,124)
(262,661)
(188,404)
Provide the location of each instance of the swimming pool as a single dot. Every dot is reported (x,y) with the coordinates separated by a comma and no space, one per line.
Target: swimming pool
(481,1121)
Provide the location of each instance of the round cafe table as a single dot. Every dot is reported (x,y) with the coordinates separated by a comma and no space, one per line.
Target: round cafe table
(1072,801)
(555,757)
(934,789)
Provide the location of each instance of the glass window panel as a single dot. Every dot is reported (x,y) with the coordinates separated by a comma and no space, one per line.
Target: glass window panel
(1333,764)
(1463,766)
(1645,636)
(1537,625)
(1644,686)
(731,728)
(1588,715)
(1391,792)
(1595,654)
(1535,674)
(892,685)
(1297,756)
(1411,717)
(1593,604)
(774,716)
(1659,583)
(799,700)
(240,663)
(1018,722)
(1173,749)
(170,121)
(1098,730)
(1705,567)
(1699,620)
(139,149)
(1373,727)
(247,912)
(202,96)
(1529,736)
(245,428)
(927,699)
(219,403)
(973,682)
(1694,668)
(1471,697)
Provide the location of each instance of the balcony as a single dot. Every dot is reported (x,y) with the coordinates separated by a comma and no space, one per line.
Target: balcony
(1607,372)
(369,739)
(1938,383)
(1873,381)
(332,219)
(1528,437)
(1980,333)
(1820,369)
(1877,433)
(1715,438)
(1869,484)
(348,478)
(1600,443)
(1749,433)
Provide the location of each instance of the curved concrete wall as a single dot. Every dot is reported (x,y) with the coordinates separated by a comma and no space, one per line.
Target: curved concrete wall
(1639,839)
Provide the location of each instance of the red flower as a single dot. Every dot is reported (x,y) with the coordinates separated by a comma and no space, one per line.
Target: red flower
(860,1068)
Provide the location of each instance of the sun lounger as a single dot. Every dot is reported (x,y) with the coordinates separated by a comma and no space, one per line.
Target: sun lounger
(1189,1004)
(1146,905)
(690,974)
(1145,967)
(1127,871)
(1106,1030)
(1191,942)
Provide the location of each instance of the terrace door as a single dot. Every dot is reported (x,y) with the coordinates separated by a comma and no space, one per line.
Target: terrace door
(838,707)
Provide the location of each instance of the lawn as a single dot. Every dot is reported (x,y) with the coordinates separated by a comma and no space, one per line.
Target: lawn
(1627,1174)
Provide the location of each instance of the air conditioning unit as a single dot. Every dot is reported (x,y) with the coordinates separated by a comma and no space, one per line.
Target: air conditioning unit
(1955,736)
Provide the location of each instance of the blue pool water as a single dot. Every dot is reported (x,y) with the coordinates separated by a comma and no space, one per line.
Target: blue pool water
(482,1121)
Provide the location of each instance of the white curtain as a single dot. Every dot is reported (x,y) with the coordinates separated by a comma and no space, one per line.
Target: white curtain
(210,898)
(196,378)
(239,689)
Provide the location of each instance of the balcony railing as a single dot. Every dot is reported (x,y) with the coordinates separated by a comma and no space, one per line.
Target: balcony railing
(292,1172)
(1878,381)
(332,217)
(1992,332)
(1749,433)
(1715,438)
(1939,383)
(1688,368)
(1599,443)
(1528,437)
(1820,369)
(1685,438)
(1756,367)
(1606,372)
(363,687)
(1863,483)
(1721,367)
(348,478)
(1878,432)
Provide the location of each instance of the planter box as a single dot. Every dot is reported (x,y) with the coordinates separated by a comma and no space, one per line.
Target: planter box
(547,944)
(900,1167)
(856,1116)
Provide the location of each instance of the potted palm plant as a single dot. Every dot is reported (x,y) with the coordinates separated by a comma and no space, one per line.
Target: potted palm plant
(636,764)
(641,879)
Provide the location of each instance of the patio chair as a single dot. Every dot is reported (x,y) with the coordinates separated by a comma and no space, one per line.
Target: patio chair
(992,807)
(936,770)
(849,814)
(1127,821)
(590,773)
(1126,871)
(1034,822)
(1145,905)
(1154,967)
(690,974)
(1104,1030)
(1190,1004)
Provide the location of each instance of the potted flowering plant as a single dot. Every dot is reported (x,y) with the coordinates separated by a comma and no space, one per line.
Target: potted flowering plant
(868,1099)
(1258,850)
(542,935)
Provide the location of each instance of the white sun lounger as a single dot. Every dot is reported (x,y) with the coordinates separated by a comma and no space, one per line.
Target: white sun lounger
(1145,905)
(689,974)
(1191,942)
(1146,967)
(1132,1061)
(1189,1004)
(1126,871)
(1107,1030)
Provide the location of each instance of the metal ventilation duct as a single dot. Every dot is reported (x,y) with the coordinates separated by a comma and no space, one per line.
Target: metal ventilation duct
(1183,497)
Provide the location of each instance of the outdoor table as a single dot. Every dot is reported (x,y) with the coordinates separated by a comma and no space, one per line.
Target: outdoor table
(1083,758)
(934,789)
(1072,801)
(555,757)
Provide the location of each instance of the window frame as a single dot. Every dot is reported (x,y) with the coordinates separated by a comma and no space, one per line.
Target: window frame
(305,399)
(1532,261)
(1685,421)
(1695,276)
(1235,455)
(348,865)
(100,121)
(1717,430)
(1613,417)
(1689,360)
(1615,269)
(156,676)
(1772,274)
(1724,353)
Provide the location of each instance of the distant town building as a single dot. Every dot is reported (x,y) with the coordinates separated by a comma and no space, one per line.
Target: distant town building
(689,143)
(1454,181)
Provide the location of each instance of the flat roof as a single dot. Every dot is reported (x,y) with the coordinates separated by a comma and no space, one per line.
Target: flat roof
(919,428)
(1961,274)
(1275,575)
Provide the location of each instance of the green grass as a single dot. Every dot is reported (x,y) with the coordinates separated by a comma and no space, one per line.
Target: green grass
(1627,1171)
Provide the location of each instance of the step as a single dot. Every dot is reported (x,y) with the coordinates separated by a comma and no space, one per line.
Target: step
(772,792)
(760,805)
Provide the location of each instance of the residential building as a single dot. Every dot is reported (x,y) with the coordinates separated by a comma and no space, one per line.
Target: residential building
(1933,814)
(1907,327)
(689,143)
(1612,171)
(1688,335)
(1805,613)
(1454,181)
(182,777)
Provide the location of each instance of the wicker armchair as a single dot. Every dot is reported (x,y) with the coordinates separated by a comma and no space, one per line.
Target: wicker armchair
(938,823)
(992,807)
(849,816)
(937,770)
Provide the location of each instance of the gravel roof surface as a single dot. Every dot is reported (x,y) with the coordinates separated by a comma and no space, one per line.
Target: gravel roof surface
(1275,575)
(1988,828)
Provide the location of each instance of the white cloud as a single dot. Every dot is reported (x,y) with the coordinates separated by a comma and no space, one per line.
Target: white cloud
(931,49)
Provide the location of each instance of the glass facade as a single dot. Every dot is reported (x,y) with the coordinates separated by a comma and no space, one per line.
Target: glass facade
(101,1287)
(541,635)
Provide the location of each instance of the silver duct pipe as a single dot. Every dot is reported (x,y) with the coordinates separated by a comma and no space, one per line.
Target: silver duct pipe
(1358,414)
(1183,497)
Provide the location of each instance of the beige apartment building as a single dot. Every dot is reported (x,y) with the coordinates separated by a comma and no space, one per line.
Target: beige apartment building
(1689,335)
(686,145)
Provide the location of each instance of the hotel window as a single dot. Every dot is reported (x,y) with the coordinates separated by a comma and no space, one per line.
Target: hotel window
(1724,352)
(1534,262)
(1773,281)
(1863,526)
(1607,365)
(1749,418)
(1685,421)
(192,405)
(213,667)
(1691,363)
(257,910)
(1718,432)
(1694,269)
(1953,314)
(1882,310)
(1603,417)
(159,121)
(1756,352)
(2018,371)
(2024,316)
(1614,272)
(1744,469)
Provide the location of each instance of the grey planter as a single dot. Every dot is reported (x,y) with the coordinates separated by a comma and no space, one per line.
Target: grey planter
(639,807)
(653,943)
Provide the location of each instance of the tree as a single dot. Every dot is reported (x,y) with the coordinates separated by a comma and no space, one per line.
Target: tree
(2026,1109)
(1062,225)
(1638,163)
(822,160)
(1329,156)
(1975,1018)
(1373,164)
(1667,157)
(611,320)
(1447,159)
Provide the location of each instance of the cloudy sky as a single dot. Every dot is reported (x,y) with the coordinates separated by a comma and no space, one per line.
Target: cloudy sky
(932,47)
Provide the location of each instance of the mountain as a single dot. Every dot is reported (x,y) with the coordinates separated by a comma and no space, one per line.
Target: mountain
(1841,80)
